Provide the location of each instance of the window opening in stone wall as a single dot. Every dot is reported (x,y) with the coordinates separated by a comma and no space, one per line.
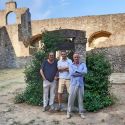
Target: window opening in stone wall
(68,46)
(36,46)
(11,18)
(99,39)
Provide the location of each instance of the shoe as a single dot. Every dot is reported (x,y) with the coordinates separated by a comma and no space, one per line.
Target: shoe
(52,108)
(44,109)
(68,116)
(82,116)
(59,108)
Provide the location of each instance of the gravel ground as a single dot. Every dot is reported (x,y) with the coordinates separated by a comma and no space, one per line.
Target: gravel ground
(12,81)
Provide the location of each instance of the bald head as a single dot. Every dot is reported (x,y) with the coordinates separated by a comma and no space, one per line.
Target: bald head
(76,57)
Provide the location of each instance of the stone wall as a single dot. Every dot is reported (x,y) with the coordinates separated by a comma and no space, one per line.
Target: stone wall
(7,53)
(113,23)
(25,31)
(10,49)
(22,61)
(115,55)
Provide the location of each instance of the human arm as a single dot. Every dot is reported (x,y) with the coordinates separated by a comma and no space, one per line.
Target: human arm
(42,74)
(82,69)
(78,71)
(57,75)
(72,70)
(62,68)
(66,68)
(41,70)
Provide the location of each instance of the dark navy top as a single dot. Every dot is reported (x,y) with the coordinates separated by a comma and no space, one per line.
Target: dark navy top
(49,70)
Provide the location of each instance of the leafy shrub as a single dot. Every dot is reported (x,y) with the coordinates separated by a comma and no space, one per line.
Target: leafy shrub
(52,40)
(33,91)
(19,98)
(97,94)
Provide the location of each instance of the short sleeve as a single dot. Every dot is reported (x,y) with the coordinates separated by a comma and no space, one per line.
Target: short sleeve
(70,62)
(43,65)
(58,64)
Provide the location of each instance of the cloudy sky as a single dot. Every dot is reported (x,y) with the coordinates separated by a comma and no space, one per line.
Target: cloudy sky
(42,9)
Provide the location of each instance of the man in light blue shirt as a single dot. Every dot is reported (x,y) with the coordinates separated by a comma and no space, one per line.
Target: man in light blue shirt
(77,71)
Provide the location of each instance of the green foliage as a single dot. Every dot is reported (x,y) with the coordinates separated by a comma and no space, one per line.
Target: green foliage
(33,91)
(52,40)
(19,98)
(97,94)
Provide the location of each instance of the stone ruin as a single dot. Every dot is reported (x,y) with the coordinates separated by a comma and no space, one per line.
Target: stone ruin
(103,33)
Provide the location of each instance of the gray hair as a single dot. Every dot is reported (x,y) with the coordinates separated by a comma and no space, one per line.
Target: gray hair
(51,53)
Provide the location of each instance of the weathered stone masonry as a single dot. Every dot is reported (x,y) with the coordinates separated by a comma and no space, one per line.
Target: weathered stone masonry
(103,33)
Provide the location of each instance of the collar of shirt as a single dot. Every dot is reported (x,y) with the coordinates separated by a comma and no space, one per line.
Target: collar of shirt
(64,60)
(77,64)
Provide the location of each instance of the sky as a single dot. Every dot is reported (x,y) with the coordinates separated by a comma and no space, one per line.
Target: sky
(44,9)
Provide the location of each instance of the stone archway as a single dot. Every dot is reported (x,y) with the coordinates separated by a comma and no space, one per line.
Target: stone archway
(10,18)
(78,38)
(99,39)
(35,44)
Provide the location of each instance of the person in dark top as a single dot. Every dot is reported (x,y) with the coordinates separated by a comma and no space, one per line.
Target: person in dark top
(48,72)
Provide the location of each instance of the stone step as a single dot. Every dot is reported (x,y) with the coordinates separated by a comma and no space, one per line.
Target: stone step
(117,78)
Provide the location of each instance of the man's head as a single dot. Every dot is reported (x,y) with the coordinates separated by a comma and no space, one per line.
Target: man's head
(51,56)
(76,57)
(63,54)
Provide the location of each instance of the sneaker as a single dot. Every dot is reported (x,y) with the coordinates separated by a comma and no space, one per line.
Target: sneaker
(68,116)
(82,116)
(52,108)
(59,108)
(44,109)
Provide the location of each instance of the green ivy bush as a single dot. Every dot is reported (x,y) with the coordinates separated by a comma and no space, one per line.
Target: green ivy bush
(97,84)
(33,92)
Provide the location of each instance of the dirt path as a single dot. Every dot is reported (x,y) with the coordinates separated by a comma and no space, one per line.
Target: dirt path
(12,81)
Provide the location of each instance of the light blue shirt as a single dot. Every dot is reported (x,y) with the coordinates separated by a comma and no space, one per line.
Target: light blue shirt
(62,64)
(77,72)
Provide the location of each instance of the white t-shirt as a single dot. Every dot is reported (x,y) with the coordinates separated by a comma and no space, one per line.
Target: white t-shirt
(64,63)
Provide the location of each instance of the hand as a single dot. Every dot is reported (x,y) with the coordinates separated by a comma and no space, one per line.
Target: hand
(55,78)
(66,69)
(44,78)
(62,69)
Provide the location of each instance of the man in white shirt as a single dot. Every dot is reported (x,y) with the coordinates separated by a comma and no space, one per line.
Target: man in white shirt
(64,78)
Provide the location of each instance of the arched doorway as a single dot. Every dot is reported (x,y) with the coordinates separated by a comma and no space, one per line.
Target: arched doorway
(35,44)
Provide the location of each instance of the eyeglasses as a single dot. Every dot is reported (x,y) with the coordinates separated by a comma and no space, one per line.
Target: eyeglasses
(76,57)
